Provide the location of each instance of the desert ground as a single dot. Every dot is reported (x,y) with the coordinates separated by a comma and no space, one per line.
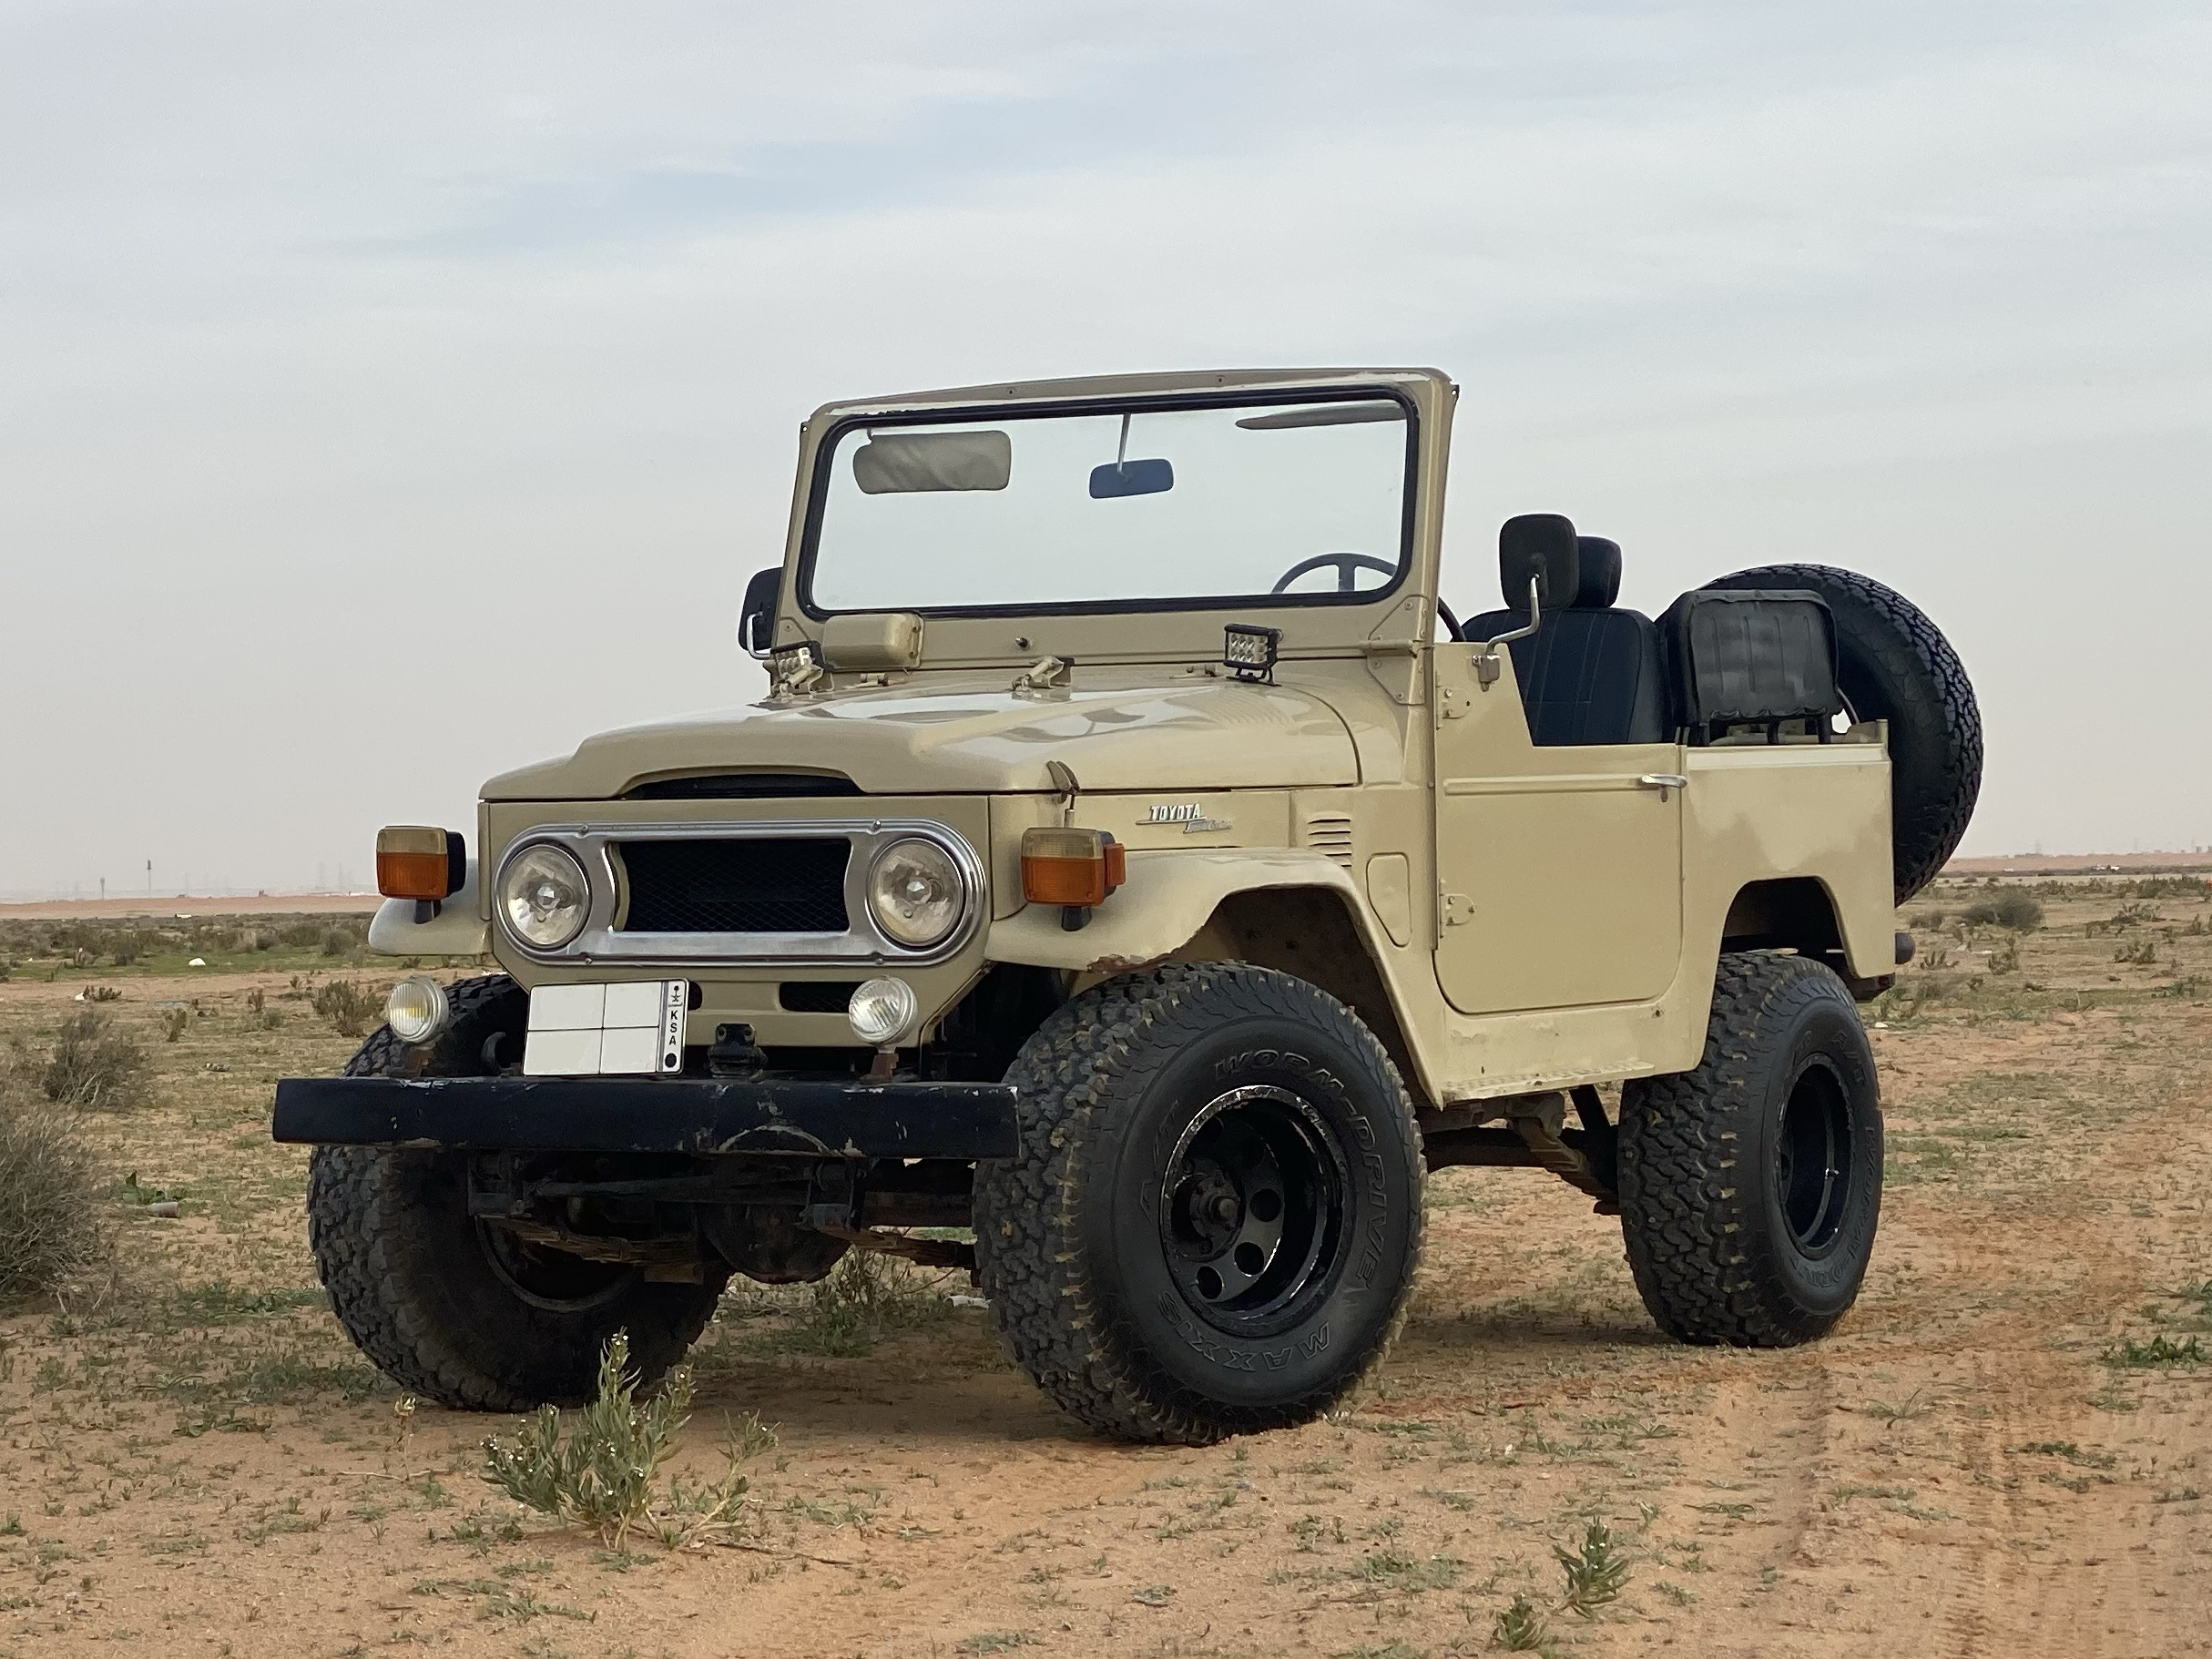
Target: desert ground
(2002,1451)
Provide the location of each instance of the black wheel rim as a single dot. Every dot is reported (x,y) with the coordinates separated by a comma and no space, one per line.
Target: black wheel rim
(1252,1209)
(552,1280)
(1813,1159)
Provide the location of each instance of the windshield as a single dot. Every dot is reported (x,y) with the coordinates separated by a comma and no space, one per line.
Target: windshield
(1167,506)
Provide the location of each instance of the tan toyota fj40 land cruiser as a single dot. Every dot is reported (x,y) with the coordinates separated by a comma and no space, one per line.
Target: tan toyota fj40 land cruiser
(1136,862)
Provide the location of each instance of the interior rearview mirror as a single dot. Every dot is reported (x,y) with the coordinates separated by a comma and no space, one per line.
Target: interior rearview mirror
(757,615)
(1118,478)
(916,462)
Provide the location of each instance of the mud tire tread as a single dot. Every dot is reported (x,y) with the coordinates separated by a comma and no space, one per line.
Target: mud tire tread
(1026,1220)
(359,1203)
(1686,1210)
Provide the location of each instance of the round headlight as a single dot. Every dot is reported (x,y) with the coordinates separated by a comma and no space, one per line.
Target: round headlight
(545,896)
(882,1011)
(915,893)
(417,1009)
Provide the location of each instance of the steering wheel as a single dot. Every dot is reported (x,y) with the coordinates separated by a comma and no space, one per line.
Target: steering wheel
(1345,563)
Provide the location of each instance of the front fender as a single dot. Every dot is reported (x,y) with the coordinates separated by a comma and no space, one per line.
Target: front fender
(455,930)
(1167,898)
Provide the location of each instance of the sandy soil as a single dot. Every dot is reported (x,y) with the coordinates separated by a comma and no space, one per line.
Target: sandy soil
(197,1461)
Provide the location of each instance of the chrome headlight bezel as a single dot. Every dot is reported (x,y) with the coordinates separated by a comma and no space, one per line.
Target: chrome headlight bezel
(417,1010)
(947,868)
(506,897)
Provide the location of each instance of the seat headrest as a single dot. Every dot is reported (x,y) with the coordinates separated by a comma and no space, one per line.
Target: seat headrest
(1542,547)
(1601,574)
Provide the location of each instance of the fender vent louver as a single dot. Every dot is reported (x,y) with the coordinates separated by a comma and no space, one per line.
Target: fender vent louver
(1330,833)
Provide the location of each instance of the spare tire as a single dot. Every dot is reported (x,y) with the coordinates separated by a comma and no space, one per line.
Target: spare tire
(1893,664)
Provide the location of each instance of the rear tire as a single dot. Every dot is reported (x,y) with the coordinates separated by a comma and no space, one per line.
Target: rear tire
(457,1312)
(1751,1187)
(1214,1222)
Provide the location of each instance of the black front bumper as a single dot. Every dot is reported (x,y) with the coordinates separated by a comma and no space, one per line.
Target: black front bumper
(762,1115)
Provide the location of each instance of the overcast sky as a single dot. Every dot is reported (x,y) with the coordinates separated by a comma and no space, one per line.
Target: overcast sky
(393,394)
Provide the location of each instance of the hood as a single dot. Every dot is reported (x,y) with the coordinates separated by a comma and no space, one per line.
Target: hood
(963,734)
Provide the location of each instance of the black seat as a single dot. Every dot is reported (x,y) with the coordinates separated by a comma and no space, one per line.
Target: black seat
(1742,659)
(1591,673)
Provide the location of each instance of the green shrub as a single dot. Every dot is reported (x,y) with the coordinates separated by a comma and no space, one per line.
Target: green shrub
(49,1225)
(94,1066)
(2011,908)
(867,1296)
(1596,1572)
(349,1009)
(601,1470)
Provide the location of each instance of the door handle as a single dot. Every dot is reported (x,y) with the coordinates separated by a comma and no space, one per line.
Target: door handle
(1663,783)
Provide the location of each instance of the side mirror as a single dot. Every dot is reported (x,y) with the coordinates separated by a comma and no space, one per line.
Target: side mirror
(1543,549)
(757,616)
(1119,478)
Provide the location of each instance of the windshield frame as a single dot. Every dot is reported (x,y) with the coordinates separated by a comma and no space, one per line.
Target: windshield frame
(965,414)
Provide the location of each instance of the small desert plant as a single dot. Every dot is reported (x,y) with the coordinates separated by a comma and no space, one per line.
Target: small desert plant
(2005,959)
(94,1064)
(604,1472)
(1520,1629)
(2170,887)
(173,1023)
(338,941)
(102,993)
(867,1296)
(1596,1572)
(2021,911)
(124,948)
(256,1000)
(2159,1352)
(49,1227)
(349,1009)
(1926,921)
(2142,953)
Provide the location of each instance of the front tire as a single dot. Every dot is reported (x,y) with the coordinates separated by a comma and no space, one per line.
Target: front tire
(1751,1187)
(458,1312)
(1214,1223)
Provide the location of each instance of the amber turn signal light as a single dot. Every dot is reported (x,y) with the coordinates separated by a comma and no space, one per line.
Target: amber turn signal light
(415,861)
(1077,867)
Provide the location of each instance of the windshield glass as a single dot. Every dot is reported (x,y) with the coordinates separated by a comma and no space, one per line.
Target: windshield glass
(1174,506)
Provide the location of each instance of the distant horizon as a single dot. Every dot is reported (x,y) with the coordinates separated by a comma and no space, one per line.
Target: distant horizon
(19,900)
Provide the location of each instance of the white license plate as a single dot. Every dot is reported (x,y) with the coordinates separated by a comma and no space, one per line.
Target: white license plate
(632,1029)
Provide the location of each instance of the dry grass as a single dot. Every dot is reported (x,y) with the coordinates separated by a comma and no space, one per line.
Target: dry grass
(92,1064)
(50,1225)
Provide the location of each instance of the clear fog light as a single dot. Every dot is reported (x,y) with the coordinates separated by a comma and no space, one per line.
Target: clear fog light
(417,1009)
(883,1010)
(915,892)
(545,896)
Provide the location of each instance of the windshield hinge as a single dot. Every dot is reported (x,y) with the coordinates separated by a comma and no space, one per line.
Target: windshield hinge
(1046,674)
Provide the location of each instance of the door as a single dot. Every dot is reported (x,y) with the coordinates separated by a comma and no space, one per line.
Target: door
(1559,871)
